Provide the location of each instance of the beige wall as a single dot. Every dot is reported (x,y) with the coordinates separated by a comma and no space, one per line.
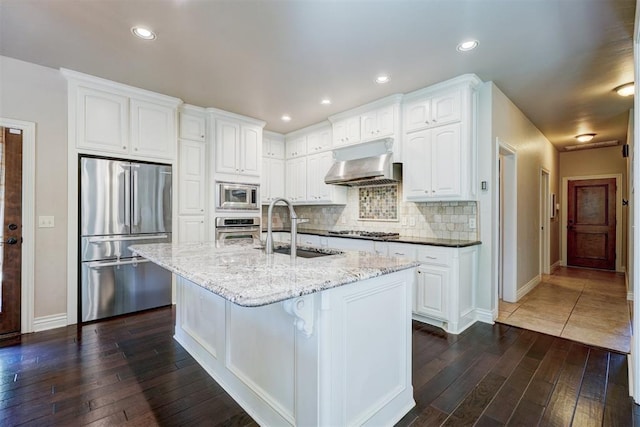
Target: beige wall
(38,94)
(599,161)
(500,119)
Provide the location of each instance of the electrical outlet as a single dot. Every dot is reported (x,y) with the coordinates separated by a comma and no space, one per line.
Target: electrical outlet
(412,221)
(46,222)
(403,221)
(472,223)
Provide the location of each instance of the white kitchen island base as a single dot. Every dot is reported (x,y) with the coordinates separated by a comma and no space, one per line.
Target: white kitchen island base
(339,357)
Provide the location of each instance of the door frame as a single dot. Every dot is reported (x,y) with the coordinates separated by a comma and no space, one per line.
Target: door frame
(508,224)
(545,222)
(563,217)
(28,219)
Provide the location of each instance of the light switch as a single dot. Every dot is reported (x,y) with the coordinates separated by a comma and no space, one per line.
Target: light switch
(472,223)
(46,221)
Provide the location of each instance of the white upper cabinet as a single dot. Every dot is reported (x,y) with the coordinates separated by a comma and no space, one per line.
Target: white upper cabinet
(152,129)
(111,118)
(380,123)
(272,146)
(102,120)
(272,179)
(433,111)
(439,143)
(237,148)
(296,179)
(191,178)
(346,131)
(296,147)
(192,126)
(319,141)
(432,163)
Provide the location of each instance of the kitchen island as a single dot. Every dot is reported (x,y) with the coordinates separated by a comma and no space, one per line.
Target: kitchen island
(312,342)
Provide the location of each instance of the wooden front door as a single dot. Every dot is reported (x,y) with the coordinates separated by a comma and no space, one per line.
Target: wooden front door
(591,223)
(11,235)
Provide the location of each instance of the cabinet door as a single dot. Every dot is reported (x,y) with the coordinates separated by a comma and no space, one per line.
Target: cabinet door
(318,141)
(446,144)
(386,119)
(250,158)
(417,165)
(340,133)
(446,108)
(297,179)
(296,147)
(191,229)
(102,121)
(369,125)
(431,294)
(353,130)
(417,115)
(192,127)
(276,178)
(191,178)
(265,193)
(276,149)
(227,146)
(152,129)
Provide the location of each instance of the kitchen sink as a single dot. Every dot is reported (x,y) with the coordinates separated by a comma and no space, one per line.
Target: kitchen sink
(307,253)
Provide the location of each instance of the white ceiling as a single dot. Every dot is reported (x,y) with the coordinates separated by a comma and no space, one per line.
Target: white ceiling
(557,60)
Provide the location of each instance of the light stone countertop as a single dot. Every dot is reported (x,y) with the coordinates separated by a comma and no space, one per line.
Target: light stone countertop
(243,274)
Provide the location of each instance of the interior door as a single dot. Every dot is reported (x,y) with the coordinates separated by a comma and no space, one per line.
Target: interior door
(11,220)
(591,223)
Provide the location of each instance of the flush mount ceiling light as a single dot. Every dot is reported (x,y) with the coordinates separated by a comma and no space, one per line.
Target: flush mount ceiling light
(325,101)
(467,45)
(626,89)
(382,78)
(143,33)
(585,137)
(286,118)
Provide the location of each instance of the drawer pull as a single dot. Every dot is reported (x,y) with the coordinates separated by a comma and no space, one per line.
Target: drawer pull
(431,257)
(399,253)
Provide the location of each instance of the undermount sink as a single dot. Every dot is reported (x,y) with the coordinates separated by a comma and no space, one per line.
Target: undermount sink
(306,253)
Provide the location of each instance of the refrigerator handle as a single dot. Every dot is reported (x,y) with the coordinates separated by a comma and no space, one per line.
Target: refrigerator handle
(127,197)
(134,188)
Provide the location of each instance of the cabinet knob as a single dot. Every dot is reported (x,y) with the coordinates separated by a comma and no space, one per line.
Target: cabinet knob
(426,121)
(426,191)
(124,147)
(135,149)
(434,120)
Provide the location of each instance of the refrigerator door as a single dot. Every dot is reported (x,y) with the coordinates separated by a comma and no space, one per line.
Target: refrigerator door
(96,248)
(110,288)
(104,197)
(150,198)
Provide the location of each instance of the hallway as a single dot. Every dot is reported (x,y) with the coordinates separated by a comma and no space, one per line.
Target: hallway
(588,306)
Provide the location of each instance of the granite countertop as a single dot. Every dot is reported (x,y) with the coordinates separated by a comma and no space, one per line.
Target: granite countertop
(429,241)
(243,274)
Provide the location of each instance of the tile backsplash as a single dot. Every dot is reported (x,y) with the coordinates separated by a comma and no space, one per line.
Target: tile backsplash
(378,203)
(444,220)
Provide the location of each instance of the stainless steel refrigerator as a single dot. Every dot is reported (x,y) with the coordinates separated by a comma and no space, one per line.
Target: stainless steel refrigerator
(122,203)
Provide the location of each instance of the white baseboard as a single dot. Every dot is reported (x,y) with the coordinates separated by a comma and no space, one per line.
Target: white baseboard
(630,296)
(486,316)
(49,322)
(528,287)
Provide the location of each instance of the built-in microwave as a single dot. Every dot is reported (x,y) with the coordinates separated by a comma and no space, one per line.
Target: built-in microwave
(232,196)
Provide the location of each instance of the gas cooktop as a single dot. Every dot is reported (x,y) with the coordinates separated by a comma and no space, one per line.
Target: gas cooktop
(366,234)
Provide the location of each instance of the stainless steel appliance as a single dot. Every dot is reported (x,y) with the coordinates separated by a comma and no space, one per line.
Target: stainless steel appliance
(122,203)
(232,196)
(229,229)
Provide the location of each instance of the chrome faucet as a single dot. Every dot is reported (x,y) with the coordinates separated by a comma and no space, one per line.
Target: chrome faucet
(294,226)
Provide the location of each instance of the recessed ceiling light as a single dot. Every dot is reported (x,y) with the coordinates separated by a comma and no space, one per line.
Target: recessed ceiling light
(143,33)
(626,89)
(585,137)
(467,45)
(325,101)
(382,78)
(286,118)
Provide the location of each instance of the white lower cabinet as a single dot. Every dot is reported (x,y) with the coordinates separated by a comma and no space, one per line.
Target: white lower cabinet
(430,296)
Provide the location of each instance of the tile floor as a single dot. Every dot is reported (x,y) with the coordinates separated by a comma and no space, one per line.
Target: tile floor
(588,306)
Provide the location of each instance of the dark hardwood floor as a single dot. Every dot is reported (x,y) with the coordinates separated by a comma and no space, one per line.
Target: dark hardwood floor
(129,371)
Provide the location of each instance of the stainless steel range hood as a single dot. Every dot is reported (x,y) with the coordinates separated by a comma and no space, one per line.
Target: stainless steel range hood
(374,170)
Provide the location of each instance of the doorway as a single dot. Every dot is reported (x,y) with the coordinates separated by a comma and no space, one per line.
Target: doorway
(11,234)
(591,223)
(545,213)
(507,223)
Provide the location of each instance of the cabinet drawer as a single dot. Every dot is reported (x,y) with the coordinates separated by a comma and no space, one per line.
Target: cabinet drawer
(403,250)
(432,255)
